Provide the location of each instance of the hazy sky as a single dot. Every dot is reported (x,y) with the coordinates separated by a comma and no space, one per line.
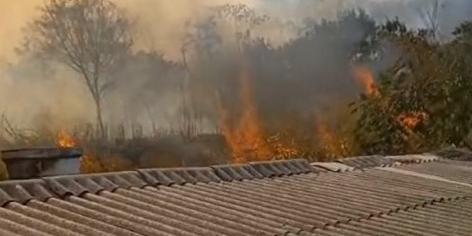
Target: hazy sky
(161,26)
(13,16)
(161,21)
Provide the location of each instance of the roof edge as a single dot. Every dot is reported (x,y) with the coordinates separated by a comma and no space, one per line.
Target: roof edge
(76,185)
(66,185)
(374,161)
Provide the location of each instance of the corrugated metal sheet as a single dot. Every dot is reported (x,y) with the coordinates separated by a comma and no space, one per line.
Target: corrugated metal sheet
(269,198)
(447,217)
(367,161)
(454,170)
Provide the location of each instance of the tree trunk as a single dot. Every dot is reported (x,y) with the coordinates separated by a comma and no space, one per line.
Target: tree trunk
(101,126)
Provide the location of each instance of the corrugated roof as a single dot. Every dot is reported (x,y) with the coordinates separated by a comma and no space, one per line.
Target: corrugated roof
(264,198)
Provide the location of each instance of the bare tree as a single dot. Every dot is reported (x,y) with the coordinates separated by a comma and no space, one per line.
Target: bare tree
(431,17)
(242,19)
(89,36)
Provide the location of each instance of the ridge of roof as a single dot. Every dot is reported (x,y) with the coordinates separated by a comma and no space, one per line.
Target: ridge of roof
(373,161)
(75,185)
(62,186)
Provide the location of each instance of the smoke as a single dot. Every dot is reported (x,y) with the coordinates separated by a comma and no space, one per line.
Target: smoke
(160,24)
(30,88)
(13,17)
(306,77)
(413,12)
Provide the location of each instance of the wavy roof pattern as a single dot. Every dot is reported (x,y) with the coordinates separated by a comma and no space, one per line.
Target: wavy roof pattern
(374,195)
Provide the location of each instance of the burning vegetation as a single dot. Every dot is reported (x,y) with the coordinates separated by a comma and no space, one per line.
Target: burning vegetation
(411,120)
(249,140)
(365,78)
(237,93)
(244,135)
(65,140)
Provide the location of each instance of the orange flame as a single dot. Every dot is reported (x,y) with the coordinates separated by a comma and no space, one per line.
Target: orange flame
(283,147)
(329,142)
(366,79)
(411,120)
(64,140)
(246,138)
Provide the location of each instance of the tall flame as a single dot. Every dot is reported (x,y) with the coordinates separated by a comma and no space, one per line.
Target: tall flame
(245,138)
(366,79)
(64,139)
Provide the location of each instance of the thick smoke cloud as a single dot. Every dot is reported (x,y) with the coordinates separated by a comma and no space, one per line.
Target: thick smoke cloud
(29,89)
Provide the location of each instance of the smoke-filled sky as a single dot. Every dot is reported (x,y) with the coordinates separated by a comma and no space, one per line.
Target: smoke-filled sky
(161,22)
(160,26)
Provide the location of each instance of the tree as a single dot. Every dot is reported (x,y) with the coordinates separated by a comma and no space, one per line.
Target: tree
(463,33)
(90,37)
(424,98)
(212,57)
(431,18)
